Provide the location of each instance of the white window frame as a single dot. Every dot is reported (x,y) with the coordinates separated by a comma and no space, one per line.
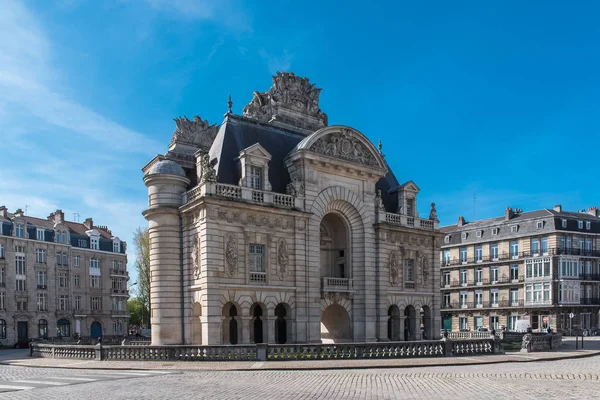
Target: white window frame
(580,224)
(463,235)
(257,257)
(76,261)
(40,233)
(19,230)
(540,224)
(478,234)
(588,225)
(1,250)
(447,239)
(514,228)
(494,231)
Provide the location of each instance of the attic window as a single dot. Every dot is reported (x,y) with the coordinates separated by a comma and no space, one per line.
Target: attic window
(447,239)
(588,225)
(540,224)
(514,228)
(580,224)
(564,223)
(494,231)
(478,234)
(463,235)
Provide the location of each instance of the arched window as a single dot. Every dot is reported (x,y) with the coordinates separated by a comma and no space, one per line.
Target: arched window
(64,327)
(43,329)
(2,329)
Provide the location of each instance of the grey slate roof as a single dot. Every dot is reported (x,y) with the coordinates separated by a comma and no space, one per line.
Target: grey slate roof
(166,167)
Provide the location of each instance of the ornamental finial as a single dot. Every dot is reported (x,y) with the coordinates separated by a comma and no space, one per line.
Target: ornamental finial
(229,104)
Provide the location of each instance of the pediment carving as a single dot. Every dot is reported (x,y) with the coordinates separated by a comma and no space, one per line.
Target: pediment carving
(344,144)
(197,132)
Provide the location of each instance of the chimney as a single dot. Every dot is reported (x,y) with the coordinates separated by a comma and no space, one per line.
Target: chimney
(89,223)
(593,211)
(3,212)
(558,208)
(508,213)
(59,217)
(19,212)
(461,221)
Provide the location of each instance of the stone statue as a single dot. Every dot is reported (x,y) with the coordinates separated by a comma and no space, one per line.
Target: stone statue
(288,91)
(197,132)
(433,213)
(295,187)
(525,345)
(379,201)
(208,172)
(196,258)
(345,145)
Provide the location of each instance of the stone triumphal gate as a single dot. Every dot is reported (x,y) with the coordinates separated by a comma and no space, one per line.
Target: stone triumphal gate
(276,227)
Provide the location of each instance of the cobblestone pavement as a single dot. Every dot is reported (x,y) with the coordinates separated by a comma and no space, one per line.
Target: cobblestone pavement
(561,379)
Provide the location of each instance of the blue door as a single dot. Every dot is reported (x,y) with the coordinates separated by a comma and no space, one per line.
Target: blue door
(96,330)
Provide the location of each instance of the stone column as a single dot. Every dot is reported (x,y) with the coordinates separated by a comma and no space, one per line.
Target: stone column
(246,322)
(165,190)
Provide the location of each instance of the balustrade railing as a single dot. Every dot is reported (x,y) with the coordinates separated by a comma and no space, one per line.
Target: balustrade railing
(407,221)
(337,284)
(268,352)
(260,277)
(239,193)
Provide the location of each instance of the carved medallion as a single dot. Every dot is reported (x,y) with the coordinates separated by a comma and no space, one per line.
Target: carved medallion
(345,145)
(231,255)
(282,259)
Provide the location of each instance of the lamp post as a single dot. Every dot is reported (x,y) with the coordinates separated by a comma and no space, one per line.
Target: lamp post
(422,313)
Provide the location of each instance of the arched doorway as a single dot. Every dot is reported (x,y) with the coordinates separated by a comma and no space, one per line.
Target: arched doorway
(230,328)
(197,324)
(282,323)
(257,324)
(335,325)
(393,323)
(96,330)
(63,328)
(426,321)
(335,253)
(410,323)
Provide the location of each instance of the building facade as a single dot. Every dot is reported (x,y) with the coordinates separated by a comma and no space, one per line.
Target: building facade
(541,266)
(60,278)
(275,227)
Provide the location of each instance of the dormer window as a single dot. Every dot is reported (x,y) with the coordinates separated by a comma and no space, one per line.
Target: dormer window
(478,234)
(19,230)
(588,225)
(564,223)
(580,224)
(540,224)
(40,234)
(514,228)
(116,245)
(254,162)
(447,239)
(94,243)
(256,177)
(494,231)
(463,235)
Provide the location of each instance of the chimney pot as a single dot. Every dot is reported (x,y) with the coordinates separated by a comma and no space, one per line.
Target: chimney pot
(89,223)
(508,213)
(558,208)
(461,221)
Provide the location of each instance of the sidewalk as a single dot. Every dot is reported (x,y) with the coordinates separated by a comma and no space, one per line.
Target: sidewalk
(21,358)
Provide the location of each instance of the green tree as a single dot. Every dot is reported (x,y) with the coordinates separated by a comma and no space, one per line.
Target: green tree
(136,311)
(141,239)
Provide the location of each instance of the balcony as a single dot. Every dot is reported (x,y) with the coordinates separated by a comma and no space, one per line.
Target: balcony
(42,287)
(590,301)
(407,221)
(589,277)
(334,284)
(457,305)
(479,259)
(118,272)
(120,292)
(242,194)
(504,280)
(258,277)
(557,251)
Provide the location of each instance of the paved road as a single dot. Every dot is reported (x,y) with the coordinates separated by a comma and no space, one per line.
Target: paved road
(575,378)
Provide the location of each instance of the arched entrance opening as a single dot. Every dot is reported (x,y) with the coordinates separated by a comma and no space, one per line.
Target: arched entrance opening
(335,252)
(426,321)
(197,324)
(410,323)
(230,324)
(335,325)
(282,323)
(257,323)
(393,323)
(95,330)
(63,328)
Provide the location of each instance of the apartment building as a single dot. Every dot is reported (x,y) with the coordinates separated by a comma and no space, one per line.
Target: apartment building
(60,278)
(542,266)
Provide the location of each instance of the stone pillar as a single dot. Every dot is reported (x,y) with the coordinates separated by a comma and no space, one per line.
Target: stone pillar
(165,190)
(246,321)
(270,322)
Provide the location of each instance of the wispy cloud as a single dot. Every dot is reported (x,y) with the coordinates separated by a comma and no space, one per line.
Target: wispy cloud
(277,62)
(62,154)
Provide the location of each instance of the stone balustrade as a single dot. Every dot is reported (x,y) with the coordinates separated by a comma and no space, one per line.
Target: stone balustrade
(407,221)
(240,193)
(469,335)
(268,352)
(332,284)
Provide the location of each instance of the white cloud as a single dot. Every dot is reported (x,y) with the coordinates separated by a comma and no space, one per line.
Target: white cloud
(280,62)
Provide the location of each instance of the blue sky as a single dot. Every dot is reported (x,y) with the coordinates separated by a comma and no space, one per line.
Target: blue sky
(497,100)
